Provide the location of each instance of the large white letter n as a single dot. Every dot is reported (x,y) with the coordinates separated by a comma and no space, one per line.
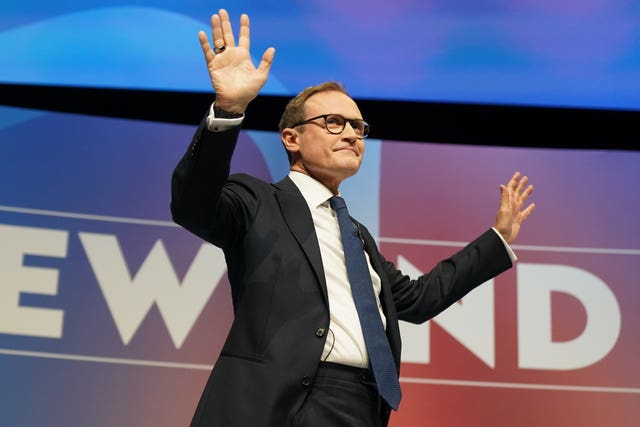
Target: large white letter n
(536,350)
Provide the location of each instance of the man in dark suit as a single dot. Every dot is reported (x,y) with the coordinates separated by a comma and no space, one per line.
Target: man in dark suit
(295,354)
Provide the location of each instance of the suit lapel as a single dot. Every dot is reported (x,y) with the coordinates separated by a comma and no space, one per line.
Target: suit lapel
(298,217)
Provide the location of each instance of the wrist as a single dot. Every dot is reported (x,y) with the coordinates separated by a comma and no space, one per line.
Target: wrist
(222,113)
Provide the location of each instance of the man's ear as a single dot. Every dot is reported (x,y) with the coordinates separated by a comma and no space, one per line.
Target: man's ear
(289,138)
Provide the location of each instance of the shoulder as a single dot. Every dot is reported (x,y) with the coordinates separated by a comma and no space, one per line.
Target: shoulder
(250,183)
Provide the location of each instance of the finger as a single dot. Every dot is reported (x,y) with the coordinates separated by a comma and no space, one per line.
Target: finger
(521,184)
(227,30)
(513,182)
(526,193)
(216,30)
(244,39)
(525,213)
(204,45)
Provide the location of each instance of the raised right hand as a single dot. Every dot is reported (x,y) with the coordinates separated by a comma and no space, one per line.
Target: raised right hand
(235,80)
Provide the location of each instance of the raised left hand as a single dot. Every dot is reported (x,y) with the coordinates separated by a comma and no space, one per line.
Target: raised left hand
(511,214)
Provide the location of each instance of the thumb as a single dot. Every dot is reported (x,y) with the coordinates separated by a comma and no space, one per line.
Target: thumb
(267,60)
(504,193)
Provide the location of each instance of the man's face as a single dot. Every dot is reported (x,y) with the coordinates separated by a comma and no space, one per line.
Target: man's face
(329,158)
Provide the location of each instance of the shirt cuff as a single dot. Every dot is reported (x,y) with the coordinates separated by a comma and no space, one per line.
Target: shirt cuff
(510,252)
(216,124)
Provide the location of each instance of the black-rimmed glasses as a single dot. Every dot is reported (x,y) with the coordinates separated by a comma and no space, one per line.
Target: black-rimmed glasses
(335,124)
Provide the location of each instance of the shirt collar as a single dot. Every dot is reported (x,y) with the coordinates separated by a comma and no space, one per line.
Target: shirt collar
(313,191)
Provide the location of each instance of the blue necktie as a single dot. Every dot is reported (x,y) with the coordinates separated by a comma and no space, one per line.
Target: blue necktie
(380,357)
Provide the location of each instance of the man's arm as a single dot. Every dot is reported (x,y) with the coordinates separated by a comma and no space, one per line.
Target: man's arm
(199,176)
(198,179)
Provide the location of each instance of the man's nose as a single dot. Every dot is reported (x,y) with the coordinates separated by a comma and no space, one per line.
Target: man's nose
(351,132)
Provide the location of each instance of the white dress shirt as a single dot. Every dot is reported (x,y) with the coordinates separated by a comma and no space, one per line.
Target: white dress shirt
(345,342)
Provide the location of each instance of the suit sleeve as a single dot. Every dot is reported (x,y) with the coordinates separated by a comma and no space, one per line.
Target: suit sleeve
(198,180)
(417,300)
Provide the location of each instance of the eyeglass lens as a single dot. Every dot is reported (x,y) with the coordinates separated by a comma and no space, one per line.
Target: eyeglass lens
(336,123)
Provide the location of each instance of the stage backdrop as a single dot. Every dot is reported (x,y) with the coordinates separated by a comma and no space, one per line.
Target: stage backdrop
(112,316)
(575,53)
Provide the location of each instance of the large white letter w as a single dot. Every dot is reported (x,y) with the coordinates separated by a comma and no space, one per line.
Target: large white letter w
(130,299)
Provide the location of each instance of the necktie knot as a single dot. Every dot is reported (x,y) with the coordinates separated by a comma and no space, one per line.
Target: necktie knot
(337,203)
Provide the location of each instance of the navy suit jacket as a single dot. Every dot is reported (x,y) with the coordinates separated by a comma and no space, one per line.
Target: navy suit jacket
(281,313)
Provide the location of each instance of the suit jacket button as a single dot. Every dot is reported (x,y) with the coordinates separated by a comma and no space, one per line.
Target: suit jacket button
(320,332)
(306,382)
